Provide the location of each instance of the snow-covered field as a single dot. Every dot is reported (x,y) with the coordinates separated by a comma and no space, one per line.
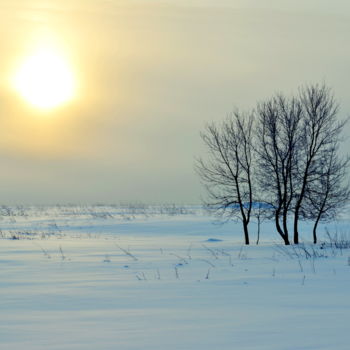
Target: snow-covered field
(142,277)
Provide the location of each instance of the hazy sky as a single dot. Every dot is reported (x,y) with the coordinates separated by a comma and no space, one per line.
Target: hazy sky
(149,75)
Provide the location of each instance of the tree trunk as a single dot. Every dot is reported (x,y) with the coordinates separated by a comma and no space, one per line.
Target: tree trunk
(246,233)
(296,221)
(285,224)
(314,231)
(279,229)
(299,201)
(286,240)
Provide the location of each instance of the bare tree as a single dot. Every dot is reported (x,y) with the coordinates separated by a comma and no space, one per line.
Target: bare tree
(260,212)
(227,173)
(329,191)
(277,150)
(320,130)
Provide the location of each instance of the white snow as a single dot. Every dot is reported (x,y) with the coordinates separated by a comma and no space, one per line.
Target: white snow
(123,277)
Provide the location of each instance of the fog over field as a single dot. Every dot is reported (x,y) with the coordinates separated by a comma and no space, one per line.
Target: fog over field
(149,75)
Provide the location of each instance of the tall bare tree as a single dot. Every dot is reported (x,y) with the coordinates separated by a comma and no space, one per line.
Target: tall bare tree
(328,192)
(320,130)
(227,173)
(277,151)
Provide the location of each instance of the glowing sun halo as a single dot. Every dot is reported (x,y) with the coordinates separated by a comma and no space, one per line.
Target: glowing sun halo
(45,80)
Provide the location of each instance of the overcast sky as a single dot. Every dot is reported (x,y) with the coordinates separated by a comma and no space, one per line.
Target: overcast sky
(150,75)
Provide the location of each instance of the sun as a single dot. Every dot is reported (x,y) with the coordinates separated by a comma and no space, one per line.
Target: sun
(45,80)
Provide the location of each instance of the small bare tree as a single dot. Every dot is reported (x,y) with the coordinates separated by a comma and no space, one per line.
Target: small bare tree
(260,212)
(227,173)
